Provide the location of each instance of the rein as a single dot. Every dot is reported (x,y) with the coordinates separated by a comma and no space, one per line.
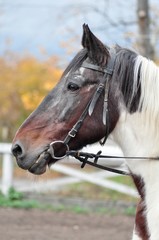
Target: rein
(84,156)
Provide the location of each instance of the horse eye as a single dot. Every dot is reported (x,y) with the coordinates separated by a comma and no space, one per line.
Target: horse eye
(73,87)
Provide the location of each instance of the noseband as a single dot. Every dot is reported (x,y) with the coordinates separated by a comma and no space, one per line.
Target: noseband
(103,86)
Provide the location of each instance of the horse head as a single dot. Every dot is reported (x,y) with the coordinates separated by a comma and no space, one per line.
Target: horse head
(64,105)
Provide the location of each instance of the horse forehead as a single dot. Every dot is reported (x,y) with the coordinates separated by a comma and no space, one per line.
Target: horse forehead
(81,70)
(88,73)
(77,75)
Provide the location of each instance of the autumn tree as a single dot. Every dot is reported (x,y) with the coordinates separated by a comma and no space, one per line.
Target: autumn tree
(23,85)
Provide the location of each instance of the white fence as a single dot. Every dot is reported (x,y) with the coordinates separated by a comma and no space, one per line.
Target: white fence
(73,175)
(7,167)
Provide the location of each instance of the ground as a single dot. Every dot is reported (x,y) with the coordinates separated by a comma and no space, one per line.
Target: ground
(20,224)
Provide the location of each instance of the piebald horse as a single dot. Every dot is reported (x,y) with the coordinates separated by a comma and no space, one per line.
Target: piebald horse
(103,91)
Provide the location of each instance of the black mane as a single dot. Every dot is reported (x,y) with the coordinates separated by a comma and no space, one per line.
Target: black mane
(124,72)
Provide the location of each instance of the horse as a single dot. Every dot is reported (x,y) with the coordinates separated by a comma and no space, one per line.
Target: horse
(104,91)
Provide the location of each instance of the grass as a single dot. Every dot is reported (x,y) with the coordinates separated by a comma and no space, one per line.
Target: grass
(124,180)
(130,211)
(83,190)
(15,199)
(90,191)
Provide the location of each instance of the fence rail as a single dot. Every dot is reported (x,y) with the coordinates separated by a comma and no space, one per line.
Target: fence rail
(7,167)
(73,175)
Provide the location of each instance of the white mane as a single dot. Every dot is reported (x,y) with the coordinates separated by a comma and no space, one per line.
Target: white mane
(140,129)
(149,79)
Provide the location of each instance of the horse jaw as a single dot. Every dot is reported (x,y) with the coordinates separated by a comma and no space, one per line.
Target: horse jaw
(138,137)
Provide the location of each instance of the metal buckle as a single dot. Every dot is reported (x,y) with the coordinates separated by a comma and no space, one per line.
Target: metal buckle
(52,151)
(72,133)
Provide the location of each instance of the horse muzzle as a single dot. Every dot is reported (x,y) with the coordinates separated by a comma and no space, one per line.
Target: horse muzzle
(37,163)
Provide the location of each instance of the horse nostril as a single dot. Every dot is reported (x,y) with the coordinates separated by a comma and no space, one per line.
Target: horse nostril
(17,150)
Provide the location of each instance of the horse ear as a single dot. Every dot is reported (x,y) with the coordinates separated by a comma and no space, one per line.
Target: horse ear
(97,51)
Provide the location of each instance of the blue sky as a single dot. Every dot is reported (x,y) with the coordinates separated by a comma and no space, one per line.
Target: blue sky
(34,25)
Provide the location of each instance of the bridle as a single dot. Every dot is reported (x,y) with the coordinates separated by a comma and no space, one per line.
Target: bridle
(103,86)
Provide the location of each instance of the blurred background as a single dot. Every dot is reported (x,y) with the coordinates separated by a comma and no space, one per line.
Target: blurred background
(39,38)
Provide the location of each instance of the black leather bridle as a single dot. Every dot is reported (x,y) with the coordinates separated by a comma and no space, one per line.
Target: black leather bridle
(103,86)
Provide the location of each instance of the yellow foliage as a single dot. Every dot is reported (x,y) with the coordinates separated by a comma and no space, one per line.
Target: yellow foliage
(23,84)
(30,100)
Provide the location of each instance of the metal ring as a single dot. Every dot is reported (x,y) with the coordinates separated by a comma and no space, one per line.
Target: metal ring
(52,152)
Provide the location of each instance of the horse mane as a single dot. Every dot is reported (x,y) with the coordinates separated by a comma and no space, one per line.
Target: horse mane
(129,83)
(138,79)
(149,80)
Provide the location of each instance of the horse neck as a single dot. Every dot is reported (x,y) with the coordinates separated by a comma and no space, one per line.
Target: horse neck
(138,136)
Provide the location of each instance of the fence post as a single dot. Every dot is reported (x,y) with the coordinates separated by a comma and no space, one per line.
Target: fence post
(7,173)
